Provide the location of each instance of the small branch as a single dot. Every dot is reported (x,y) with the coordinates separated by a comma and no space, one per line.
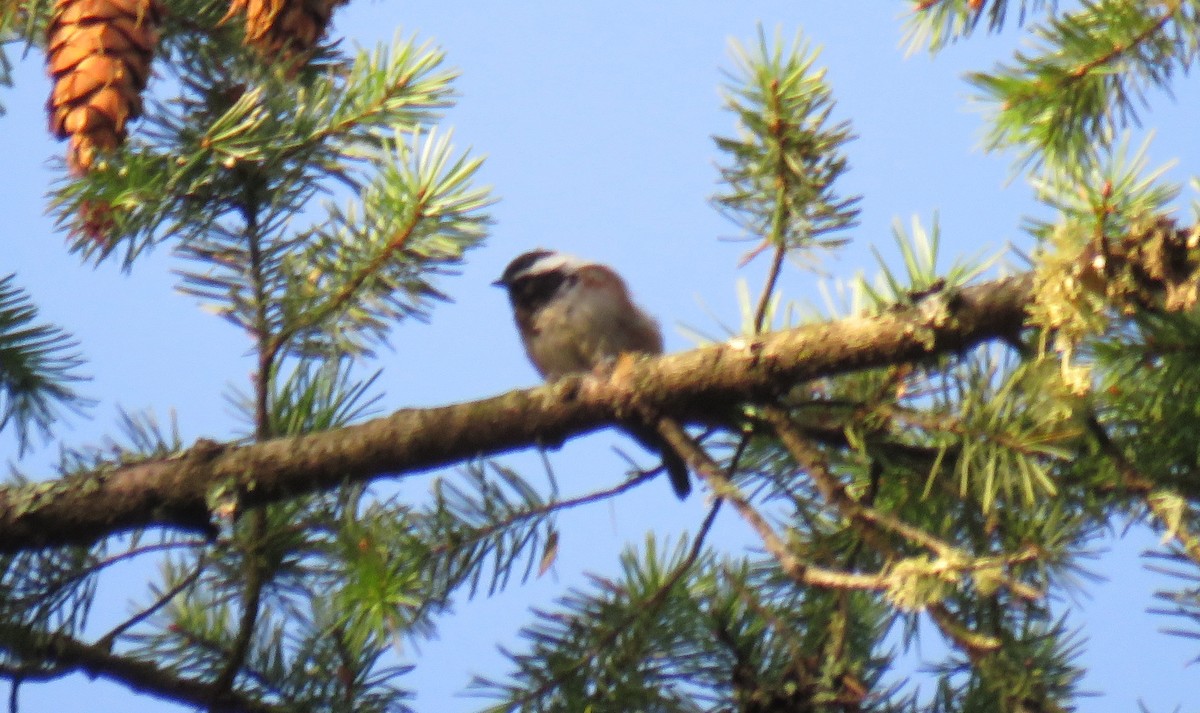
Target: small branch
(780,214)
(554,506)
(133,552)
(1073,75)
(954,425)
(141,676)
(1131,479)
(834,493)
(974,644)
(850,689)
(1138,484)
(764,300)
(256,577)
(254,569)
(107,640)
(39,671)
(1124,48)
(313,317)
(800,571)
(267,686)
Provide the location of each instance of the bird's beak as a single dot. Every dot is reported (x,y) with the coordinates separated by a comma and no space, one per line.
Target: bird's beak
(500,283)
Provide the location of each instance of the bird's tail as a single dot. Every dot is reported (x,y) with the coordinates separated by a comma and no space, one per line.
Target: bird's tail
(673,463)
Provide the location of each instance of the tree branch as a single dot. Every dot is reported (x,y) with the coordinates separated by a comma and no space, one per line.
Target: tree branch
(69,654)
(173,492)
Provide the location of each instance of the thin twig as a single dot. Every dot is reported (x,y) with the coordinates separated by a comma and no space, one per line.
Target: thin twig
(314,316)
(108,639)
(850,686)
(36,671)
(1144,487)
(267,349)
(546,509)
(764,299)
(802,572)
(834,493)
(975,645)
(779,216)
(139,675)
(251,602)
(1075,74)
(137,552)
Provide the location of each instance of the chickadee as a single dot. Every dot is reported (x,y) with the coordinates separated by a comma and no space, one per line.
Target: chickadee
(574,315)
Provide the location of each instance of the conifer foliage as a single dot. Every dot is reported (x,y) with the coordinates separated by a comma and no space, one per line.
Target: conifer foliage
(935,461)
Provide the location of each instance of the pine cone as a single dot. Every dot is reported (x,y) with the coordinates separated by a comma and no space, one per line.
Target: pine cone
(98,52)
(287,28)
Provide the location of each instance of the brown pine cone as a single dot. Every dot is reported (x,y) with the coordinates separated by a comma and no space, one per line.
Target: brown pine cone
(98,52)
(287,28)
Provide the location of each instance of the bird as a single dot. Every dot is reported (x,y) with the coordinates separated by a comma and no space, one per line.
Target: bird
(574,315)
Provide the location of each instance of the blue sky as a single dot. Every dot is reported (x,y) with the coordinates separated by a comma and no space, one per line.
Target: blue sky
(597,120)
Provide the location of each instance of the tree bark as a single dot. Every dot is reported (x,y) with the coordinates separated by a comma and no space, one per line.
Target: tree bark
(692,386)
